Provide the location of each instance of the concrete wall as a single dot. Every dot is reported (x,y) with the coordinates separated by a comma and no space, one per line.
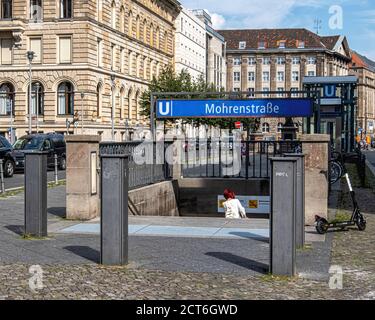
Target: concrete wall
(315,147)
(155,200)
(199,196)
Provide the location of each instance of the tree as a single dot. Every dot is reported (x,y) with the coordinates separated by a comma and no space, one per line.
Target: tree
(169,81)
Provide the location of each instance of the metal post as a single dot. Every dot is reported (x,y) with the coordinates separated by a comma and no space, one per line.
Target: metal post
(114,210)
(283,228)
(113,107)
(2,176)
(36,194)
(30,57)
(37,106)
(56,172)
(300,199)
(82,96)
(152,117)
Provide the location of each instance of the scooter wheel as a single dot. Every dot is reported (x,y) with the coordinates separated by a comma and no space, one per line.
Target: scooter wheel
(321,227)
(361,223)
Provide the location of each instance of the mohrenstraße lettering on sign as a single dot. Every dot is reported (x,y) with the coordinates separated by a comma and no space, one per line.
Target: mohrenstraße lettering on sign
(256,108)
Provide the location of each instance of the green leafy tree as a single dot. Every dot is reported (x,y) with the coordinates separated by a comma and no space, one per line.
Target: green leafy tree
(169,81)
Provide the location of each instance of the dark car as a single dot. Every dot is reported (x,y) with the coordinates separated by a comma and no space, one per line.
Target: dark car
(7,157)
(51,142)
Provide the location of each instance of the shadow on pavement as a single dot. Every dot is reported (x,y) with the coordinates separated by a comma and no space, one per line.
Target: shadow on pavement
(57,211)
(85,252)
(249,235)
(240,261)
(16,229)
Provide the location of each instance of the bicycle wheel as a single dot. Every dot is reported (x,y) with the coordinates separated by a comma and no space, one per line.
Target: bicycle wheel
(335,171)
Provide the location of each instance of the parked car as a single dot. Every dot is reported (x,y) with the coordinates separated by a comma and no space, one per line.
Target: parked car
(51,142)
(7,157)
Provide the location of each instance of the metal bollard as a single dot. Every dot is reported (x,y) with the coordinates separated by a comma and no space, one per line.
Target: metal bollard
(114,210)
(36,194)
(300,199)
(2,177)
(283,211)
(56,171)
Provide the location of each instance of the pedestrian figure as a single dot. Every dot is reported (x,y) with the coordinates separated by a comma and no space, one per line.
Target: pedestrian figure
(232,207)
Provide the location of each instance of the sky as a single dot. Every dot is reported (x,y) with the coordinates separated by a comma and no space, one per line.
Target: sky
(353,18)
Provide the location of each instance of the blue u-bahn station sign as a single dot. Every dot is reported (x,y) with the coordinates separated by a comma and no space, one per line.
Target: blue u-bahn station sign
(249,108)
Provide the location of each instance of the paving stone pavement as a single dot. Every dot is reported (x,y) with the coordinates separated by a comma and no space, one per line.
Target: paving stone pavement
(83,279)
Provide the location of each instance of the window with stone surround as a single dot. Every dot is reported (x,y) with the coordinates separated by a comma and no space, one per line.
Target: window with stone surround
(265,127)
(295,76)
(66,9)
(267,61)
(280,60)
(311,60)
(280,76)
(6,9)
(236,76)
(65,49)
(252,61)
(35,44)
(296,60)
(65,99)
(6,99)
(36,10)
(251,76)
(266,76)
(237,61)
(6,51)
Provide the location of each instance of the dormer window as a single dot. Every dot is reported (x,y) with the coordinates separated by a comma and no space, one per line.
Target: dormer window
(261,45)
(282,44)
(301,44)
(242,45)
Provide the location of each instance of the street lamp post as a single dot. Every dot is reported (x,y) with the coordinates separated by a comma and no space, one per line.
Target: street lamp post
(82,96)
(37,86)
(113,106)
(30,57)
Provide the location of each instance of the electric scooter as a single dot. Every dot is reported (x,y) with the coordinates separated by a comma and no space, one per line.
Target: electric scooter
(357,218)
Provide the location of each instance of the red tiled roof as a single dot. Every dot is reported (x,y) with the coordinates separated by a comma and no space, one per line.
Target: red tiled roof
(272,37)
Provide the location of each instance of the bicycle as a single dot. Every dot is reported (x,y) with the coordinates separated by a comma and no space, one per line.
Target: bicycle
(336,167)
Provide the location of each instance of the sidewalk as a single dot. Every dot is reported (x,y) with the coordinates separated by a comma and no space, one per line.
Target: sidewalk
(210,245)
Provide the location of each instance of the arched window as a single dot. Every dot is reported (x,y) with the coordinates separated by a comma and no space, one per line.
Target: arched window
(136,102)
(265,127)
(6,9)
(66,9)
(151,35)
(122,19)
(6,99)
(122,103)
(145,68)
(279,126)
(130,106)
(36,10)
(65,99)
(113,15)
(130,26)
(157,38)
(99,100)
(166,42)
(145,31)
(138,28)
(37,98)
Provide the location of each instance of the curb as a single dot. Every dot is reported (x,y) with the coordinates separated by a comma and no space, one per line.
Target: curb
(371,167)
(22,188)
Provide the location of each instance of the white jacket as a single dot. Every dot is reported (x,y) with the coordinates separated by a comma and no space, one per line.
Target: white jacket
(233,209)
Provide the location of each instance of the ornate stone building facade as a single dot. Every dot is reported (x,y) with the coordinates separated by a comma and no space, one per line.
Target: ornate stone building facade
(89,53)
(364,69)
(278,60)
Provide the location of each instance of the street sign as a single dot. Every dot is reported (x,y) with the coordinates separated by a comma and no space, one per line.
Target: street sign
(238,125)
(249,108)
